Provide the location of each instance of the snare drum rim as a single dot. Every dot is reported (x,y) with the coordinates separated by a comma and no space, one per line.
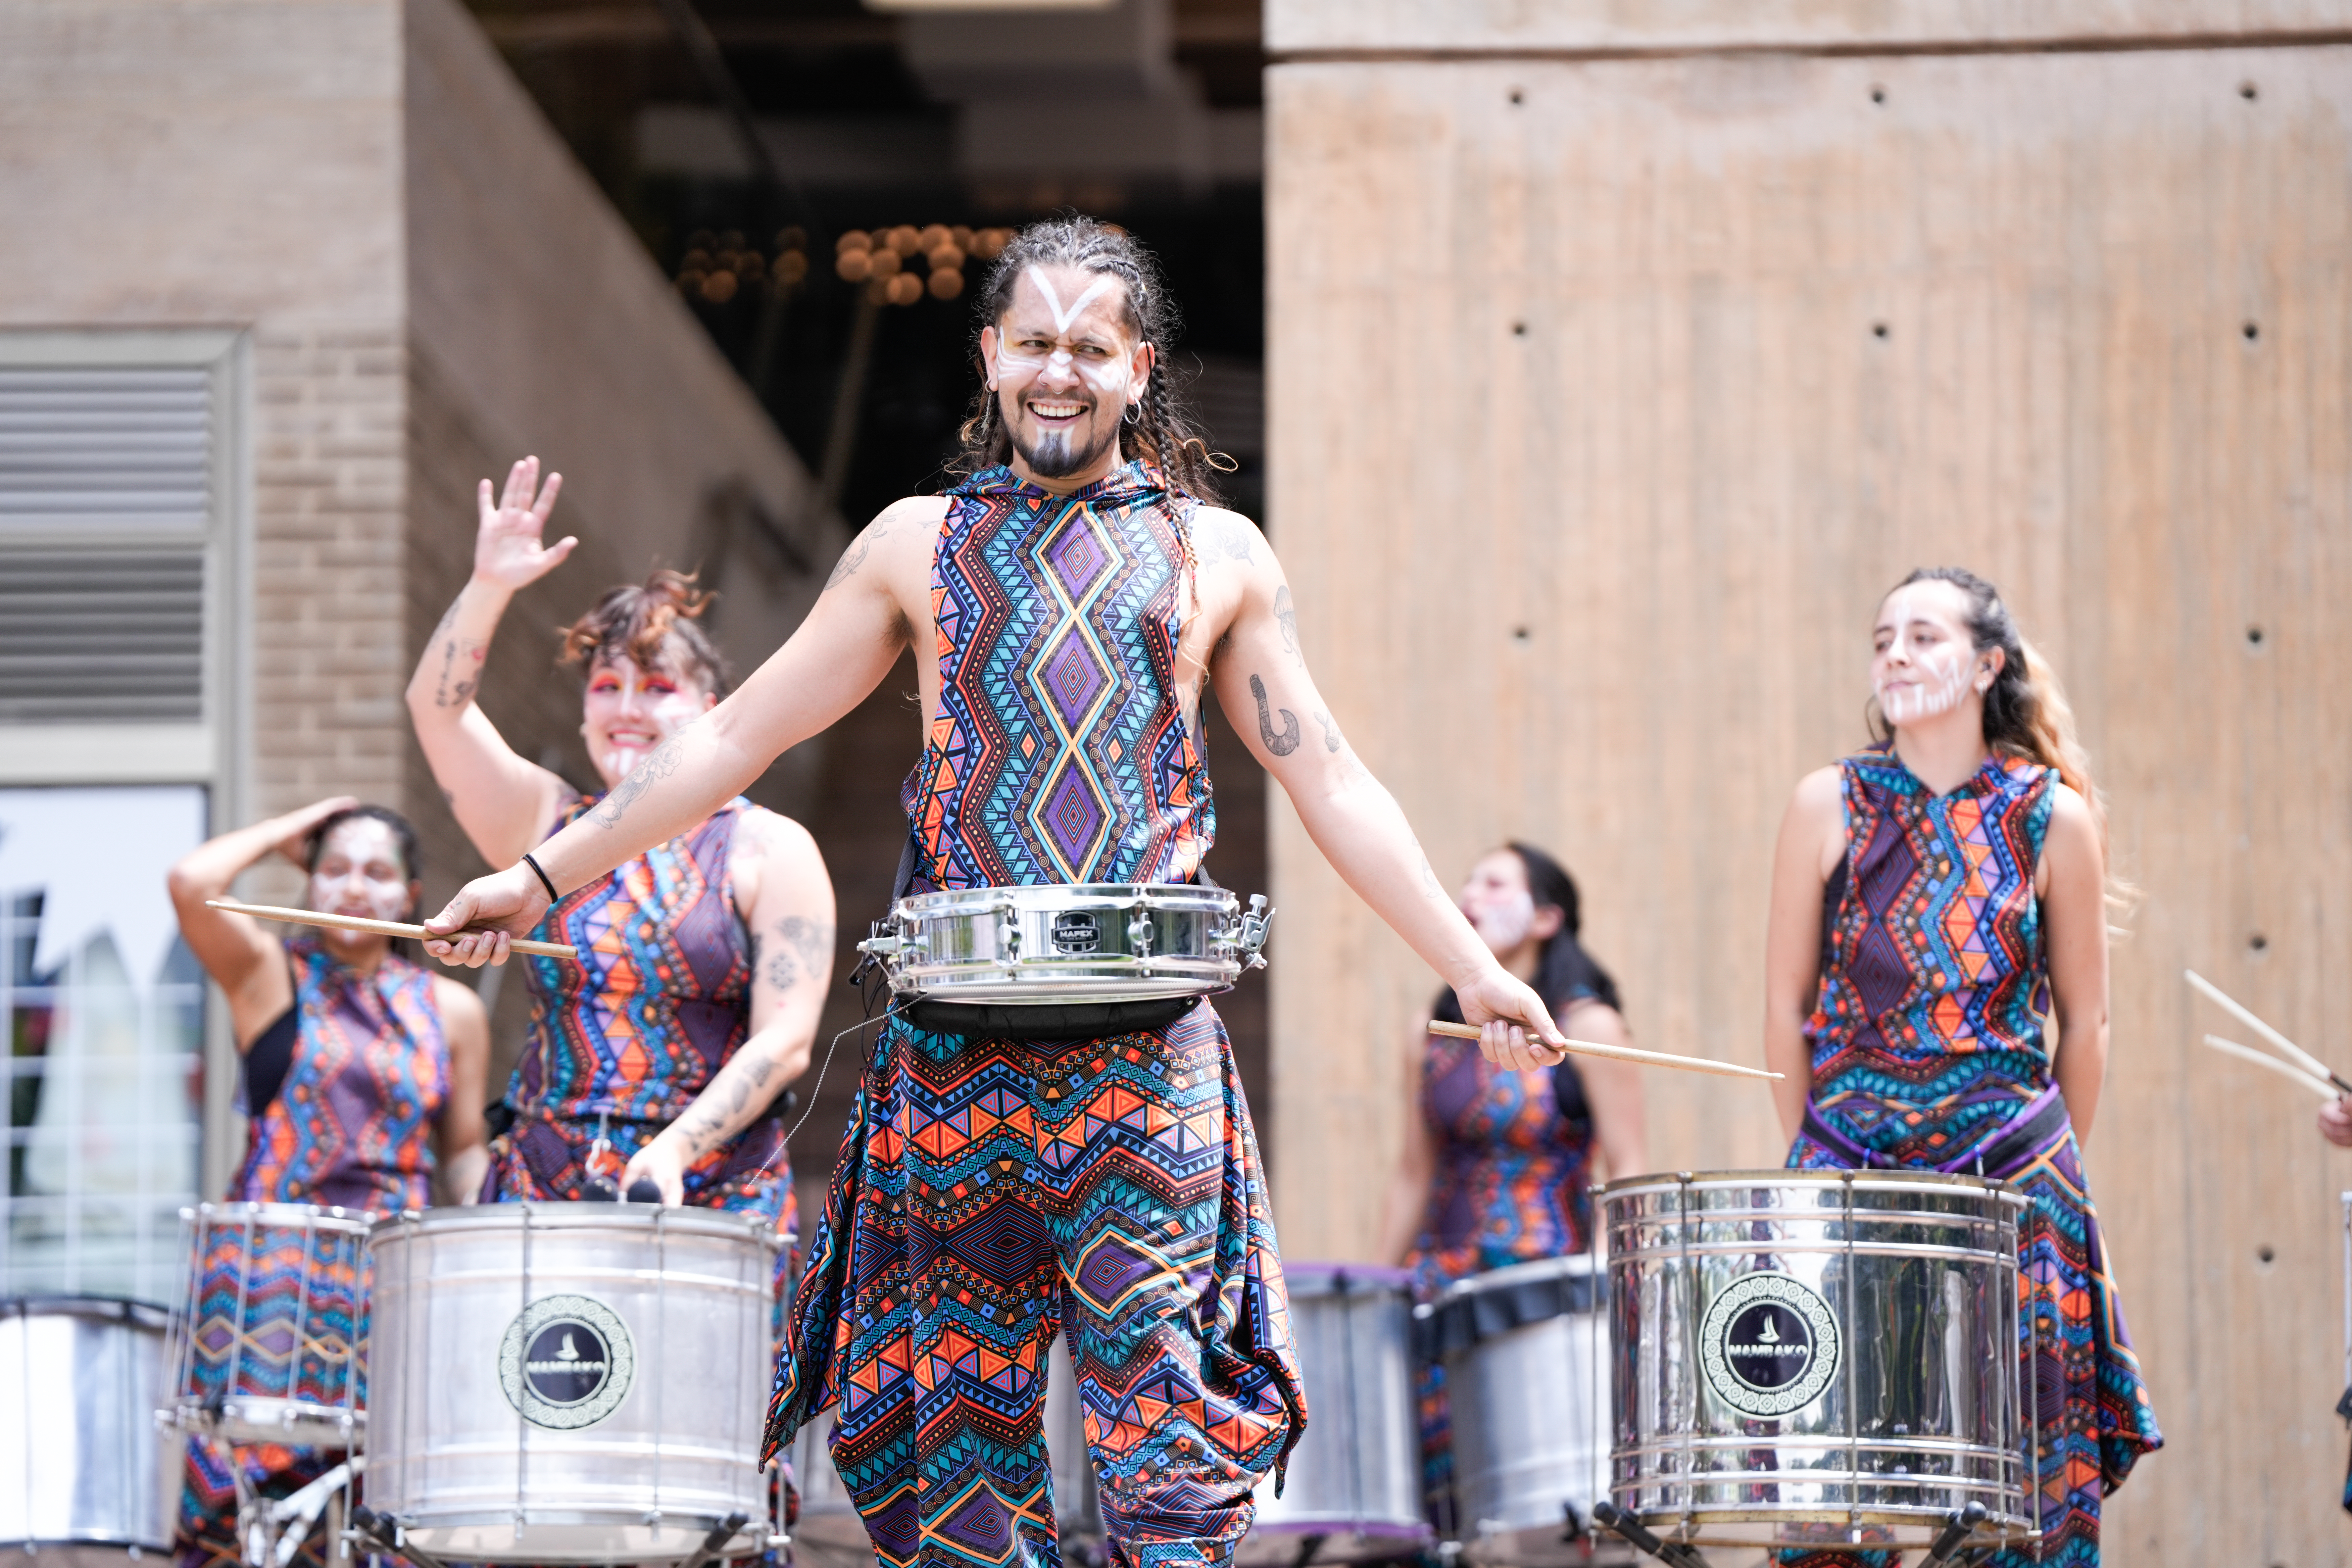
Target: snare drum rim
(1572,1265)
(1871,1181)
(717,1225)
(1052,897)
(290,1216)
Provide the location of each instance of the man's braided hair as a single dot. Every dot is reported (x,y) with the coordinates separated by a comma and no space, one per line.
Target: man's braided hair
(1162,431)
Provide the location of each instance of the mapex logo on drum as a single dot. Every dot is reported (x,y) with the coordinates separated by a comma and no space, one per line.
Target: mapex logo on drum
(1768,1344)
(1074,931)
(567,1362)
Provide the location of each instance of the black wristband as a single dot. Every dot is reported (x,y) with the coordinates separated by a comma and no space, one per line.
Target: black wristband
(552,896)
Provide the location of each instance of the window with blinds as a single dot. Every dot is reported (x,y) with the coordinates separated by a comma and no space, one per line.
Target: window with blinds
(106,510)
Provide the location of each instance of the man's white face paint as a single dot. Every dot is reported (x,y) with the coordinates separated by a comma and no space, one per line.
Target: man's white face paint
(1051,433)
(1925,663)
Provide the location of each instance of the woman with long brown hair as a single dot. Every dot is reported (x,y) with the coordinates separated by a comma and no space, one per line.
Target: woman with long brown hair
(1936,898)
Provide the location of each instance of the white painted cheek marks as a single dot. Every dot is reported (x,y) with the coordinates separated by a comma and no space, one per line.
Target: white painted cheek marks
(1505,922)
(1943,677)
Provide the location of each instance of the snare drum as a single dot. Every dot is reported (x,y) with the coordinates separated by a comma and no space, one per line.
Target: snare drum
(1817,1358)
(1527,1395)
(571,1382)
(267,1348)
(1353,1488)
(83,1478)
(1049,945)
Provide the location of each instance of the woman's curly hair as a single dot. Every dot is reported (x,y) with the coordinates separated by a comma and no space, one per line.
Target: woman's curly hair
(656,626)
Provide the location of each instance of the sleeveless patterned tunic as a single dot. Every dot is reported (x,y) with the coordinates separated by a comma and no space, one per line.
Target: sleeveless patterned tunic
(1928,1053)
(1059,754)
(352,1122)
(993,1192)
(1509,1184)
(623,1039)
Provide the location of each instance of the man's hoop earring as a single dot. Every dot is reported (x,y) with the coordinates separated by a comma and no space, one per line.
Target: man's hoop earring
(1130,417)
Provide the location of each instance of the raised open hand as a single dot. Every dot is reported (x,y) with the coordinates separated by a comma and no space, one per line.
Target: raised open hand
(507,549)
(294,829)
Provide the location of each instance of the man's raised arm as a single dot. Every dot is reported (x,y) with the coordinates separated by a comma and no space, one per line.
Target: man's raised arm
(1260,675)
(852,637)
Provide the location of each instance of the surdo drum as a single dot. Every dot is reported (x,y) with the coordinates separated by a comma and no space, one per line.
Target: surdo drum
(267,1348)
(85,1479)
(1086,942)
(570,1383)
(1527,1396)
(1824,1359)
(1353,1489)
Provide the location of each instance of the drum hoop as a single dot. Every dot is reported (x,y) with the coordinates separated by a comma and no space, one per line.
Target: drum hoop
(717,1225)
(293,1216)
(1043,897)
(1567,1266)
(1873,1180)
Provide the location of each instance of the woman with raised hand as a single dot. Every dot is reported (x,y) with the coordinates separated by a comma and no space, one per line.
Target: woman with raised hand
(361,1074)
(663,1052)
(1936,898)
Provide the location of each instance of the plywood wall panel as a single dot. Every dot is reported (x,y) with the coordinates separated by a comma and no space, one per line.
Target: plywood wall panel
(1605,583)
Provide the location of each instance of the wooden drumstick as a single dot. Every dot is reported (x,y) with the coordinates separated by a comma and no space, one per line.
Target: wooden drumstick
(380,927)
(2296,1075)
(2286,1047)
(1621,1052)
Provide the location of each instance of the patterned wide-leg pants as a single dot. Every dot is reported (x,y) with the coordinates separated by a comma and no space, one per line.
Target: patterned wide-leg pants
(993,1192)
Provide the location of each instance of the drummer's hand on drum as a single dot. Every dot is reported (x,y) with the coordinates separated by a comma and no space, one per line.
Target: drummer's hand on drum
(485,916)
(662,1162)
(1516,1027)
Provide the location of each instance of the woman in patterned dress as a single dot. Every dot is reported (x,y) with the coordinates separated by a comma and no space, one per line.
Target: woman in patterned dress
(360,1073)
(1497,1162)
(663,1054)
(1934,900)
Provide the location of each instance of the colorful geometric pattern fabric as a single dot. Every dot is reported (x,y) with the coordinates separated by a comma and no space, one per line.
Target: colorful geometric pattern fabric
(1926,1042)
(1927,1029)
(1509,1186)
(353,1123)
(207,1533)
(624,1038)
(660,995)
(304,1295)
(993,1192)
(1059,754)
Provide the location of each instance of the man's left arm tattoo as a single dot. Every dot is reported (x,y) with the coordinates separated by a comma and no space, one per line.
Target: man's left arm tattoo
(1282,741)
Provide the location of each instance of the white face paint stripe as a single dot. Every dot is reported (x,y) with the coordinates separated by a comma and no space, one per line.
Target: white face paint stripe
(1062,318)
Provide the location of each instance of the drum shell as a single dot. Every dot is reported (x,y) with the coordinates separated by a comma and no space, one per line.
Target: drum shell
(1017,946)
(270,1345)
(1921,1412)
(83,1471)
(830,1527)
(1528,1409)
(1354,1477)
(471,1480)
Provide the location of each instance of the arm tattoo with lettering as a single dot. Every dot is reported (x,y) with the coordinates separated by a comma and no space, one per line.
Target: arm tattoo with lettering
(1282,741)
(456,684)
(662,762)
(1288,618)
(1330,731)
(726,1098)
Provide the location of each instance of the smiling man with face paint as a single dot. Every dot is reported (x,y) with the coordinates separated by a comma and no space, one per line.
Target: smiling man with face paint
(1069,602)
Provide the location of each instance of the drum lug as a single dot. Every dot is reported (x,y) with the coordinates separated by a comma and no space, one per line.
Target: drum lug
(1253,937)
(1138,935)
(1677,1553)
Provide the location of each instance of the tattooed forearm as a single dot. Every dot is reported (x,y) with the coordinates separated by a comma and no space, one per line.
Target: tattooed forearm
(804,950)
(721,1107)
(1287,618)
(1282,741)
(662,762)
(1330,731)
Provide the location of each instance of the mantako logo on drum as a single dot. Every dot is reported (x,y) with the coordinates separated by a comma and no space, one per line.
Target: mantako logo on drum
(1768,1344)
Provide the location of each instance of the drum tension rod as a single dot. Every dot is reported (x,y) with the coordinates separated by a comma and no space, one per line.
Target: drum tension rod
(1680,1555)
(382,1532)
(1958,1527)
(716,1541)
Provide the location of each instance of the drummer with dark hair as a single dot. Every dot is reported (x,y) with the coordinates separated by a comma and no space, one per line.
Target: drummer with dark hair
(1935,898)
(1069,601)
(662,1054)
(1498,1163)
(360,1074)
